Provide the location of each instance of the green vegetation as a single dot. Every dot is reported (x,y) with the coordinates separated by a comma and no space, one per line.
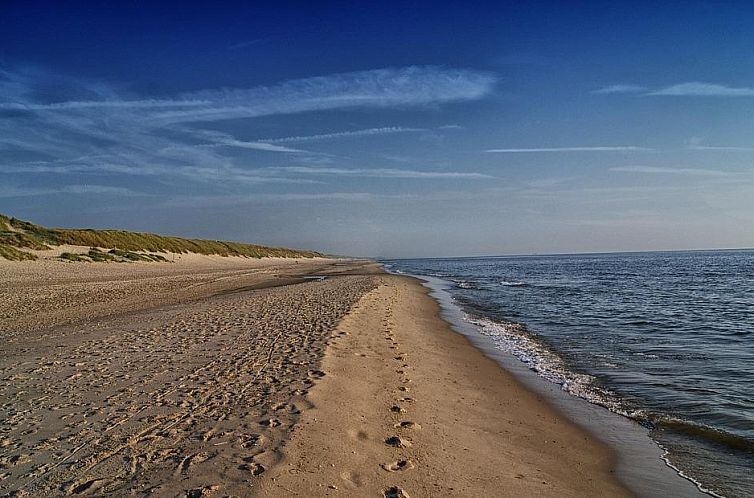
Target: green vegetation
(132,256)
(122,245)
(13,254)
(97,255)
(73,256)
(11,237)
(115,255)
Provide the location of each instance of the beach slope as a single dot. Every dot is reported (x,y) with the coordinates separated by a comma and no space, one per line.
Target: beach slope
(213,377)
(407,407)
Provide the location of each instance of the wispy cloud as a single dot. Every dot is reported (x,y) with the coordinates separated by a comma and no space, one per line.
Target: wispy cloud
(104,104)
(343,134)
(220,175)
(308,197)
(247,43)
(618,148)
(685,89)
(621,88)
(16,191)
(384,173)
(546,183)
(241,144)
(393,87)
(699,89)
(217,139)
(236,200)
(669,171)
(721,147)
(257,146)
(103,130)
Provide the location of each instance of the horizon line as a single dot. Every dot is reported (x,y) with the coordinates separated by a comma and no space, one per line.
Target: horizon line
(521,255)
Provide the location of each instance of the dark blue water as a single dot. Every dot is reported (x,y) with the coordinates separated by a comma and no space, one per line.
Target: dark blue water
(664,338)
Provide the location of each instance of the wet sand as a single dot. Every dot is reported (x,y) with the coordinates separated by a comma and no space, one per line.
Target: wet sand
(241,378)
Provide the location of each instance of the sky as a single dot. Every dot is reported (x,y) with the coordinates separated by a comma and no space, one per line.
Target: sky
(385,130)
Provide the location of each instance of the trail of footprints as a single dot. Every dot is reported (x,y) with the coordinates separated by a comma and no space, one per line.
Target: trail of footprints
(207,395)
(399,439)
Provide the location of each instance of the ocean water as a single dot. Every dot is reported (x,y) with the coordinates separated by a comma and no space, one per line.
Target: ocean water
(664,338)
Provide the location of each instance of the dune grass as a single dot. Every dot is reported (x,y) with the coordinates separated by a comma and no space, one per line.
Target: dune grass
(13,254)
(18,234)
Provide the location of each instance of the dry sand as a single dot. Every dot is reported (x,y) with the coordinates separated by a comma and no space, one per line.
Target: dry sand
(231,377)
(40,294)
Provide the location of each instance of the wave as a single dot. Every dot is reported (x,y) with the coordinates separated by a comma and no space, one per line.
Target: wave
(514,338)
(465,284)
(701,487)
(513,284)
(703,432)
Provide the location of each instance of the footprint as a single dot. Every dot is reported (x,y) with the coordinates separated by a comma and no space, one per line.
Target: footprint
(398,466)
(6,462)
(79,487)
(354,478)
(250,440)
(252,467)
(292,409)
(407,424)
(194,459)
(397,409)
(395,492)
(6,442)
(200,492)
(273,422)
(360,435)
(397,442)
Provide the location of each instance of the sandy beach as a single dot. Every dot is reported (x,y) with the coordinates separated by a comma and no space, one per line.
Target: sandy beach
(234,377)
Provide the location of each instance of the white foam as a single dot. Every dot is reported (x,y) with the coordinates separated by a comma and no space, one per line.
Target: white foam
(666,458)
(513,339)
(512,284)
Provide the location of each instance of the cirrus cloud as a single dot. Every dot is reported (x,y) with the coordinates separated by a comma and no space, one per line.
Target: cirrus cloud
(102,130)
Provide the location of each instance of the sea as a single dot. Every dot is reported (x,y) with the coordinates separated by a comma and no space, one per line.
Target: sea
(663,338)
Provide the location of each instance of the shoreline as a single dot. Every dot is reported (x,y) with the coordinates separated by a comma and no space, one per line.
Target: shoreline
(241,364)
(409,407)
(641,464)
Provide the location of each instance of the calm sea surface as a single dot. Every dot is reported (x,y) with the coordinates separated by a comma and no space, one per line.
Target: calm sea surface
(665,338)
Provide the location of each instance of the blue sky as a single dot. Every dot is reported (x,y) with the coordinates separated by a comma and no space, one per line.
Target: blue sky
(434,130)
